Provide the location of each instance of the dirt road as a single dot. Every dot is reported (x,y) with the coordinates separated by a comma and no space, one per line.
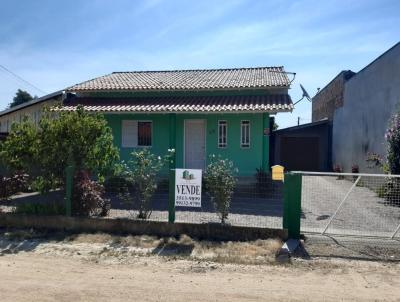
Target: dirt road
(27,276)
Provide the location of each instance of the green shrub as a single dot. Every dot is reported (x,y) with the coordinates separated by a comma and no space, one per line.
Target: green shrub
(220,182)
(54,208)
(141,174)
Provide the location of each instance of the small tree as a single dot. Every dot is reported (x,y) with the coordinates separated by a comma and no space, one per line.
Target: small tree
(220,182)
(142,171)
(46,150)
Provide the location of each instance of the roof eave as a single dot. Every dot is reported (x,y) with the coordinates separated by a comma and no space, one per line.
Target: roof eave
(179,89)
(272,111)
(31,103)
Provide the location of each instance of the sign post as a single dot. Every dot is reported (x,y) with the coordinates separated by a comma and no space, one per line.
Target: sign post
(188,188)
(171,197)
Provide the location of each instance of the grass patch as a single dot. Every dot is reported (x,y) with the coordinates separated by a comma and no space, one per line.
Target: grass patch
(251,252)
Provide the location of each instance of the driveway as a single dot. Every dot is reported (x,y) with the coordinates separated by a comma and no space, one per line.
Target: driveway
(363,213)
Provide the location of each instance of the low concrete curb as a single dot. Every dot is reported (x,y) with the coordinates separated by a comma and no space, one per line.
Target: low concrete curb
(212,231)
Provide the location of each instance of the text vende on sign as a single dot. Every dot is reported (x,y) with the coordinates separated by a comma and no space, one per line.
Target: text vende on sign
(188,187)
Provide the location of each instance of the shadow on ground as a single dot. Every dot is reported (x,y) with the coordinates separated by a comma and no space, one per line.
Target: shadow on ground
(13,241)
(173,248)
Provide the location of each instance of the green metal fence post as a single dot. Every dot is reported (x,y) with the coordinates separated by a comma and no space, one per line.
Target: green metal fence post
(292,204)
(172,166)
(69,184)
(171,199)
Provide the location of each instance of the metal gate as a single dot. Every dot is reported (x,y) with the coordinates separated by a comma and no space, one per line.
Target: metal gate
(350,204)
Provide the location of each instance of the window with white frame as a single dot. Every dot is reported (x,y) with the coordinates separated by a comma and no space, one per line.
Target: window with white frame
(245,134)
(222,134)
(136,133)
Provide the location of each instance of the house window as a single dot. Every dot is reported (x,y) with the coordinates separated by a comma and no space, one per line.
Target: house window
(144,134)
(245,134)
(222,134)
(136,133)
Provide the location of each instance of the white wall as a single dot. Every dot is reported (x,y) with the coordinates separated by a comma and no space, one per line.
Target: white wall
(370,98)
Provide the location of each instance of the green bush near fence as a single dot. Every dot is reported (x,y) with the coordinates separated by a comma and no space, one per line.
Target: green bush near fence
(142,172)
(220,182)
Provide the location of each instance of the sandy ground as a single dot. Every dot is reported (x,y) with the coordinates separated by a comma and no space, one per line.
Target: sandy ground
(52,278)
(111,268)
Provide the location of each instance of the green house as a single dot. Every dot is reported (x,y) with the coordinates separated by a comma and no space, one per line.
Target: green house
(195,112)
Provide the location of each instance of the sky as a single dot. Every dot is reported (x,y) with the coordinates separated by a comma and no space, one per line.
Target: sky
(55,44)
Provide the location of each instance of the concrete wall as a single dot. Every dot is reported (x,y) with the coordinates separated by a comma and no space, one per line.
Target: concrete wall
(370,98)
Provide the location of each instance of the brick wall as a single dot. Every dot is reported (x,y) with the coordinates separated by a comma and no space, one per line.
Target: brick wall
(330,97)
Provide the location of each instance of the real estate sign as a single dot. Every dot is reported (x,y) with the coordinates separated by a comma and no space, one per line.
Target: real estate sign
(187,188)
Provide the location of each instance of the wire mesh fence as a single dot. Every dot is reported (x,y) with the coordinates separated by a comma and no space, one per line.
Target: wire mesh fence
(351,204)
(255,202)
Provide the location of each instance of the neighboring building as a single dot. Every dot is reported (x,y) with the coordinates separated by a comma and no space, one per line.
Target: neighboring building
(370,99)
(196,112)
(312,143)
(32,109)
(331,97)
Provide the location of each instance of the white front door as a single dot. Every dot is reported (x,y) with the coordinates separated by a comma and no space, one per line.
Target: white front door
(195,144)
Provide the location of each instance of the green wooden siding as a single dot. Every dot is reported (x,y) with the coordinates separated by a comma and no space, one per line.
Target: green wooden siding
(245,159)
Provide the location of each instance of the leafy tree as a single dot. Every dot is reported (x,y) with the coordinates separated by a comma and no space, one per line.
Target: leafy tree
(220,182)
(21,97)
(68,137)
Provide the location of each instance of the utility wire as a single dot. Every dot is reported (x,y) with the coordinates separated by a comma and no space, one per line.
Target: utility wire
(21,79)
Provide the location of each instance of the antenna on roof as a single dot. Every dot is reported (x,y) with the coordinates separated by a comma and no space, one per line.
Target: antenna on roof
(305,95)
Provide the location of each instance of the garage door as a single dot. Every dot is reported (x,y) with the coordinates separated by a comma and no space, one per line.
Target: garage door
(300,153)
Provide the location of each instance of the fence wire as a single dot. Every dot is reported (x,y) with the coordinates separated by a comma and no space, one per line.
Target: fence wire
(351,204)
(255,202)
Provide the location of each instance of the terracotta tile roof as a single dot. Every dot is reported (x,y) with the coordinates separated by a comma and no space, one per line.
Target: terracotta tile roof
(259,103)
(236,78)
